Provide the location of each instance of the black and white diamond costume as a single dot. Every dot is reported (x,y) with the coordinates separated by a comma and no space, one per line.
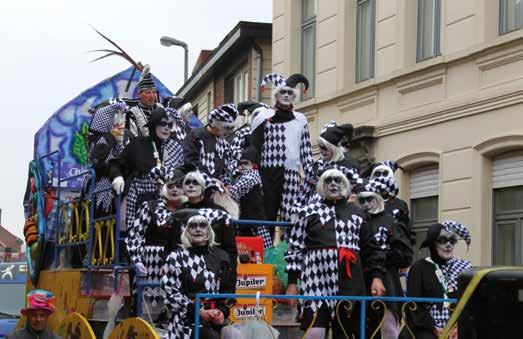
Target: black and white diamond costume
(424,281)
(211,154)
(136,161)
(282,139)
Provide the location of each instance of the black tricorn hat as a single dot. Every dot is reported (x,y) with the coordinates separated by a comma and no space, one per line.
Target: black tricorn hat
(248,105)
(336,134)
(157,115)
(295,79)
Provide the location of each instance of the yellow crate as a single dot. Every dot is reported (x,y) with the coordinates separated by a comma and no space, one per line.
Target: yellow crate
(252,278)
(246,309)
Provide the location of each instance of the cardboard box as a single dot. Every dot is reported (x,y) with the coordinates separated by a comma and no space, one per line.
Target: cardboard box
(252,278)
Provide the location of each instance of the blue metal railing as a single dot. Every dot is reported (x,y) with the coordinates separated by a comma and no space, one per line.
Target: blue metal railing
(362,299)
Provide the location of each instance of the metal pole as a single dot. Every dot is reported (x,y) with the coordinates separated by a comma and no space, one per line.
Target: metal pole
(186,49)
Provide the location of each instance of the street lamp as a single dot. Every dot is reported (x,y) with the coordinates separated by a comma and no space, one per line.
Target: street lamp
(168,41)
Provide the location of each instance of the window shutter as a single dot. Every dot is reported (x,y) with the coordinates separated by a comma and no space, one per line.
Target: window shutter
(424,183)
(507,171)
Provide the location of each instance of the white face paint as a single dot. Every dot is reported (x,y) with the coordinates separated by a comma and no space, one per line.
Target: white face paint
(163,129)
(326,152)
(285,96)
(192,189)
(244,166)
(369,203)
(198,233)
(445,244)
(333,188)
(223,129)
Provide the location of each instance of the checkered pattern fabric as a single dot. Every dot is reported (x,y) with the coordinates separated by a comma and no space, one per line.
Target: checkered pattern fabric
(245,184)
(222,152)
(290,195)
(461,230)
(135,240)
(176,263)
(141,116)
(276,79)
(225,113)
(103,118)
(328,125)
(382,236)
(383,184)
(152,260)
(451,271)
(162,213)
(215,216)
(273,152)
(348,232)
(390,163)
(239,141)
(180,128)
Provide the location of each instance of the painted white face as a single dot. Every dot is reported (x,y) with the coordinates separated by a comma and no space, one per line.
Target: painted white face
(369,203)
(174,188)
(163,129)
(333,188)
(198,233)
(244,166)
(192,189)
(223,129)
(285,96)
(445,244)
(326,152)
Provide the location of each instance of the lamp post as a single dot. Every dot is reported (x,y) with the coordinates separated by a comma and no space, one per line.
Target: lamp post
(168,41)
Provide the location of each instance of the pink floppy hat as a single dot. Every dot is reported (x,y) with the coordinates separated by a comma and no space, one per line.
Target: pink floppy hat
(40,300)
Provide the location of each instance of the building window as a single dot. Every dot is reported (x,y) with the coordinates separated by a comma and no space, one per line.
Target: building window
(365,36)
(510,15)
(429,13)
(209,101)
(424,190)
(507,182)
(237,85)
(308,44)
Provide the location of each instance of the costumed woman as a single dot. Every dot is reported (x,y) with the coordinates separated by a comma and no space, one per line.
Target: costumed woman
(324,253)
(332,155)
(140,156)
(155,232)
(194,188)
(247,192)
(435,276)
(281,137)
(198,267)
(393,237)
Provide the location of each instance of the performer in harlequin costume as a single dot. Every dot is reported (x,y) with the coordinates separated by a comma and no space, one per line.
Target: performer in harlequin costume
(393,237)
(332,156)
(140,156)
(182,114)
(281,137)
(155,232)
(207,148)
(198,267)
(247,191)
(435,276)
(326,248)
(194,187)
(241,137)
(138,115)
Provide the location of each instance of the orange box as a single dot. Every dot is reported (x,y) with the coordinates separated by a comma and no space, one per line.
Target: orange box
(246,309)
(252,278)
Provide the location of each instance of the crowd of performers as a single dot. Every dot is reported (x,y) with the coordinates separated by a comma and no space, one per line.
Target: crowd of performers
(181,188)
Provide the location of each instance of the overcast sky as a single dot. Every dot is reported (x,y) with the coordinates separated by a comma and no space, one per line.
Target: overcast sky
(43,62)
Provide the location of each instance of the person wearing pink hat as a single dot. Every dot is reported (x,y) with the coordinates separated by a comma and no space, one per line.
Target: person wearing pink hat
(40,304)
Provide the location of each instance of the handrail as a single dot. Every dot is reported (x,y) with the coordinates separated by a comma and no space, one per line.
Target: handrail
(362,299)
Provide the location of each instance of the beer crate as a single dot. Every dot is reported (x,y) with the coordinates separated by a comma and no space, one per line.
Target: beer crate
(246,309)
(252,278)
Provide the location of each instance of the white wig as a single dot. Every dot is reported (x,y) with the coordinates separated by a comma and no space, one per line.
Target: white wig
(278,88)
(385,168)
(196,175)
(333,173)
(186,239)
(337,151)
(380,206)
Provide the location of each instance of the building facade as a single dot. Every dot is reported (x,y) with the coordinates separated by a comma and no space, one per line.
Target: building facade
(434,84)
(232,72)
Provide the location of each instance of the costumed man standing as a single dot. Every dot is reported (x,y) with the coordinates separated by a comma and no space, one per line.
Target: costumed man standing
(182,112)
(139,157)
(155,232)
(138,115)
(326,248)
(435,276)
(393,237)
(281,137)
(206,147)
(198,267)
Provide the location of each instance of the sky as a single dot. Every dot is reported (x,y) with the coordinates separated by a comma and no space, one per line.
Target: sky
(44,64)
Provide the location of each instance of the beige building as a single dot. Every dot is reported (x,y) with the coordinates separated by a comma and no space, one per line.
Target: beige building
(232,71)
(434,84)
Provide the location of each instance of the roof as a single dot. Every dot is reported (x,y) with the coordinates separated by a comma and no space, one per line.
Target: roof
(8,239)
(232,43)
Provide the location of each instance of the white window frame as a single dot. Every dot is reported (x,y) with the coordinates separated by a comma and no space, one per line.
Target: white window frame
(436,30)
(308,24)
(362,73)
(515,7)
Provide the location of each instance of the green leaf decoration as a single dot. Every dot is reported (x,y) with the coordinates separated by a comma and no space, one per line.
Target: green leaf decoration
(80,148)
(85,129)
